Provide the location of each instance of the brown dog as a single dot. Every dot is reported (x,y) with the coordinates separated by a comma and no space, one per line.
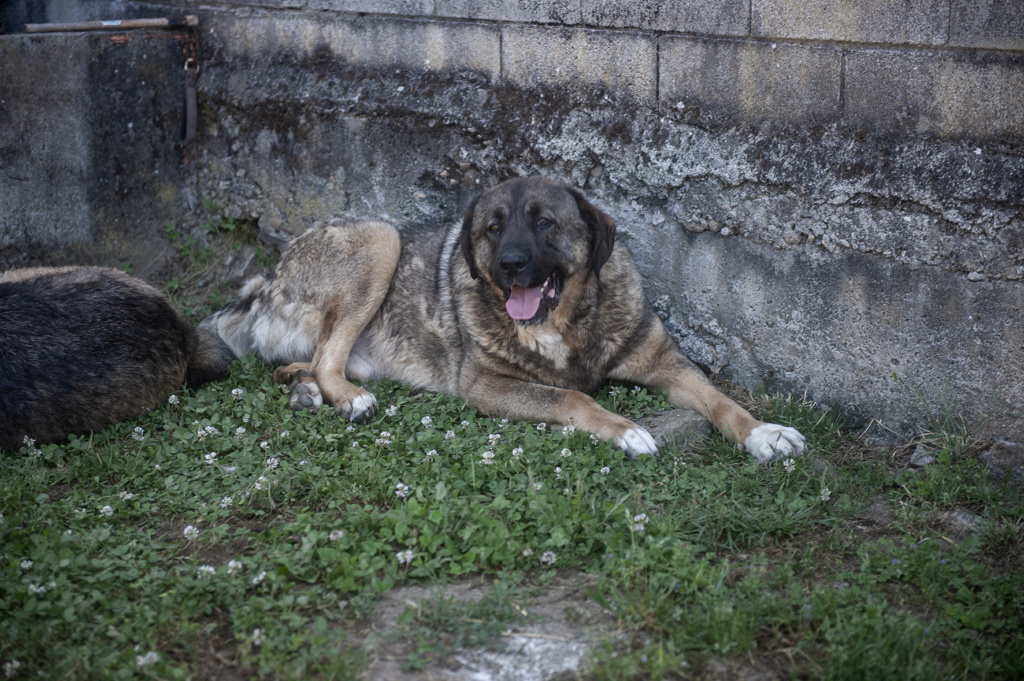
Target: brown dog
(521,310)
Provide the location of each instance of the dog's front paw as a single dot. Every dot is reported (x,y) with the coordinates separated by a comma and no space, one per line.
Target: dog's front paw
(306,394)
(637,441)
(770,441)
(360,408)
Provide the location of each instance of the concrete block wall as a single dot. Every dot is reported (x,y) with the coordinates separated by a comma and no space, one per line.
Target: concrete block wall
(823,195)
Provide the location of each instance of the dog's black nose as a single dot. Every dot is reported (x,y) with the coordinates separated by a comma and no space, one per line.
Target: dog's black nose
(514,261)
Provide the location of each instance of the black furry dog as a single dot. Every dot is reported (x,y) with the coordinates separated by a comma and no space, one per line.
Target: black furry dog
(84,347)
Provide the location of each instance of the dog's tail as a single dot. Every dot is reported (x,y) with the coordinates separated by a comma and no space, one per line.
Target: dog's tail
(225,335)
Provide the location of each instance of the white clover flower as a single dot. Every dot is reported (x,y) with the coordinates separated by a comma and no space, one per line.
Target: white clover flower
(465,423)
(517,452)
(639,521)
(26,564)
(594,438)
(569,430)
(80,511)
(11,668)
(493,439)
(558,472)
(427,421)
(789,465)
(335,535)
(146,660)
(29,442)
(537,486)
(605,470)
(36,589)
(487,458)
(450,435)
(264,445)
(246,418)
(205,571)
(211,458)
(392,410)
(210,430)
(261,482)
(234,567)
(191,532)
(548,558)
(173,400)
(239,432)
(68,532)
(401,490)
(405,557)
(615,390)
(385,438)
(272,462)
(157,467)
(542,426)
(636,390)
(566,453)
(258,637)
(826,494)
(126,496)
(138,433)
(106,511)
(302,463)
(237,393)
(431,454)
(350,429)
(527,552)
(259,578)
(226,502)
(504,422)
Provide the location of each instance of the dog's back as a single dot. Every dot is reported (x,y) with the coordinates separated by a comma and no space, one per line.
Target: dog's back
(84,347)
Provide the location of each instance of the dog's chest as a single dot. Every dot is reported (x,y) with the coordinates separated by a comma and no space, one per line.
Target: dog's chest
(547,343)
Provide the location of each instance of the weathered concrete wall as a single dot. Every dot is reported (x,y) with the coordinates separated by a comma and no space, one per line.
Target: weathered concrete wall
(824,195)
(89,167)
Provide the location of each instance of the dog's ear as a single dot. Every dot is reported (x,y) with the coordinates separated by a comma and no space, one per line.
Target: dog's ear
(467,240)
(602,227)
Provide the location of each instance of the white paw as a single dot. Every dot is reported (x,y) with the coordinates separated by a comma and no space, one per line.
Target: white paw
(637,441)
(771,441)
(363,407)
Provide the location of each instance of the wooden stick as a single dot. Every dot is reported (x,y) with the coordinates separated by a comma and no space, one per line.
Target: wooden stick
(187,21)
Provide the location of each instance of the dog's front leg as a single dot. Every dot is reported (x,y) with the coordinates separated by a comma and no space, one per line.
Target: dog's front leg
(519,400)
(659,364)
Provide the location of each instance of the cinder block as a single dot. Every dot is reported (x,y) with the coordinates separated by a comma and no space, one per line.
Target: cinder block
(524,11)
(371,41)
(745,81)
(406,7)
(727,17)
(622,61)
(938,94)
(917,22)
(996,24)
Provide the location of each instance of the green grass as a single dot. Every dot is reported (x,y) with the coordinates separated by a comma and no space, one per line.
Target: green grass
(300,523)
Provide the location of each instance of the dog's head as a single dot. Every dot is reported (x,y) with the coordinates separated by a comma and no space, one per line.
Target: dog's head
(529,236)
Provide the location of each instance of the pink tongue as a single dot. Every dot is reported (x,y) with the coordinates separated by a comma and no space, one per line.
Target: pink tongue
(523,302)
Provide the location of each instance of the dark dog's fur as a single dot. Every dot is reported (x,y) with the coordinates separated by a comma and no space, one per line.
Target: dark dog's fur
(520,310)
(84,347)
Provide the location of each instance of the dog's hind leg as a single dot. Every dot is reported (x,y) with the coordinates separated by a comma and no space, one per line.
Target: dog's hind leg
(305,393)
(364,258)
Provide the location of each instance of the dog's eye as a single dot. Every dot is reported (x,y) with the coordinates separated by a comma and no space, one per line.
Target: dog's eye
(494,228)
(544,223)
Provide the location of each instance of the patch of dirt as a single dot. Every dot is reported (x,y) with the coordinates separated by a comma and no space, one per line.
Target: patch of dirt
(562,628)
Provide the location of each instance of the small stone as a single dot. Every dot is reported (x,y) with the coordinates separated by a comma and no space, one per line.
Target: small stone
(976,276)
(676,426)
(1005,459)
(922,456)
